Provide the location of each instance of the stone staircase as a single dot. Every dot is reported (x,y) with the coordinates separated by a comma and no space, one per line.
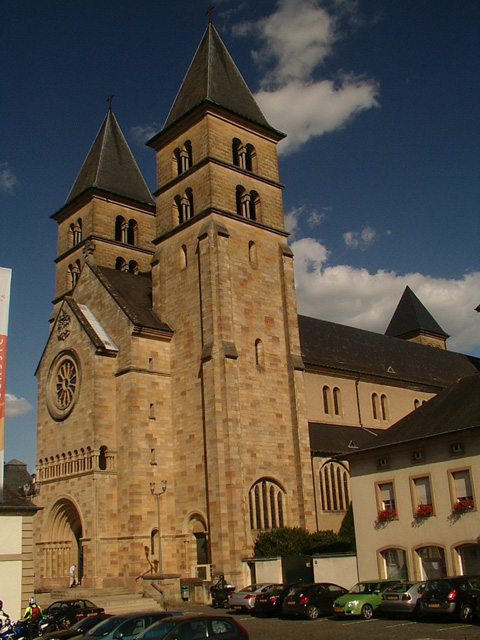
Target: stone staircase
(114,600)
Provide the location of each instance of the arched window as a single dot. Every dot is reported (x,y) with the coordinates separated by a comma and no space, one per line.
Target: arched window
(394,564)
(74,273)
(184,206)
(259,354)
(75,232)
(120,229)
(133,267)
(244,156)
(384,406)
(375,406)
(254,206)
(183,256)
(334,486)
(183,158)
(337,401)
(432,562)
(416,403)
(120,264)
(252,253)
(247,204)
(250,157)
(102,458)
(327,399)
(266,500)
(237,152)
(132,231)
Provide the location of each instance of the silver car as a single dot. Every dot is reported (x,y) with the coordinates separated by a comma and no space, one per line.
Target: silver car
(244,600)
(402,598)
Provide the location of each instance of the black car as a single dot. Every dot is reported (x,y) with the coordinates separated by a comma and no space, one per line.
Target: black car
(270,602)
(195,627)
(77,629)
(457,596)
(67,612)
(312,600)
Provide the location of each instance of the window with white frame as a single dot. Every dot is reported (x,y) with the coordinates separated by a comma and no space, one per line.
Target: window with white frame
(461,485)
(386,496)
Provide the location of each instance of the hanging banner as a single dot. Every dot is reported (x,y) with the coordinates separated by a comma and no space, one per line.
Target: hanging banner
(5,280)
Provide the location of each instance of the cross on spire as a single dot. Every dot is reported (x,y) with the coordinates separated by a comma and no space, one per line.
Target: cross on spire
(110,100)
(209,12)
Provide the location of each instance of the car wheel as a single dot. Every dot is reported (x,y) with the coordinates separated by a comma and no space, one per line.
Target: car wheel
(312,612)
(466,613)
(367,612)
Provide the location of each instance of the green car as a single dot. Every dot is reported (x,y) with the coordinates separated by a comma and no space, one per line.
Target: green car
(363,599)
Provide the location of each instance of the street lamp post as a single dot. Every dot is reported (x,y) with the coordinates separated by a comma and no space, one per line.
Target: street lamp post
(157,495)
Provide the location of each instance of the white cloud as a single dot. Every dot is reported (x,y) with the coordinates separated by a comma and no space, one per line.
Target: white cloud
(8,180)
(141,134)
(16,406)
(366,300)
(360,239)
(296,39)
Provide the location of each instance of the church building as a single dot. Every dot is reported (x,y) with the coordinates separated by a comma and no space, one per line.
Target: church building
(183,404)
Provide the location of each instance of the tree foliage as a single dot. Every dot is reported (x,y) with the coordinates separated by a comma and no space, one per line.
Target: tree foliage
(288,541)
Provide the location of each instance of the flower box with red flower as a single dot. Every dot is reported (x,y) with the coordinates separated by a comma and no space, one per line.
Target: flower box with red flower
(463,505)
(424,511)
(386,515)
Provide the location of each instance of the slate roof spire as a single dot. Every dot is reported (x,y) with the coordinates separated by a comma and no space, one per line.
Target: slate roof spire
(110,166)
(412,320)
(213,77)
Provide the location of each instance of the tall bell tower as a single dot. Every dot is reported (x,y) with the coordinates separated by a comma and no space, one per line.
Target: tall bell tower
(222,278)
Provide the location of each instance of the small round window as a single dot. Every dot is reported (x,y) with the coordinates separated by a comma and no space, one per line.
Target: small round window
(63,387)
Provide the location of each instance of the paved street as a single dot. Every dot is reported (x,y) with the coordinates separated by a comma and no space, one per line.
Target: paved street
(376,629)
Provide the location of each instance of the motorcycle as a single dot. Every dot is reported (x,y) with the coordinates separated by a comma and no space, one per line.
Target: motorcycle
(221,596)
(20,630)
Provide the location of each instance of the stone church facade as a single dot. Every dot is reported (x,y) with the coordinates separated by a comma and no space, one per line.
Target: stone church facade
(176,354)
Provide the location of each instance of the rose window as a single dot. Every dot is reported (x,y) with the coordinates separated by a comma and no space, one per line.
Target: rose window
(66,383)
(63,386)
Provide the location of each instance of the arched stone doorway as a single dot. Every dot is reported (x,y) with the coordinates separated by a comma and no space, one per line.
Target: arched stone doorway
(197,547)
(62,543)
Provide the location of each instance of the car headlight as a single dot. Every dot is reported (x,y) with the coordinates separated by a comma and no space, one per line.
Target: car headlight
(353,603)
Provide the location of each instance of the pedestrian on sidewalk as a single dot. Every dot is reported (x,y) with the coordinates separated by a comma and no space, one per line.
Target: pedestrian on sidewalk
(72,574)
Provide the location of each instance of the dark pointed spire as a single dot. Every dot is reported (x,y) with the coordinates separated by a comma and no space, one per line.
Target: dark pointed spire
(213,77)
(110,166)
(411,319)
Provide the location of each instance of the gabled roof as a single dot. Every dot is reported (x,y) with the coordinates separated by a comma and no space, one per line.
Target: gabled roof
(213,77)
(331,439)
(111,167)
(133,293)
(455,409)
(411,316)
(338,347)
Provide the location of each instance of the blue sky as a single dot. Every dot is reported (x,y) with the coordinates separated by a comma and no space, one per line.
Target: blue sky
(380,101)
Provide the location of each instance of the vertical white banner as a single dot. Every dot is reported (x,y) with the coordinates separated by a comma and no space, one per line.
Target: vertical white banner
(5,280)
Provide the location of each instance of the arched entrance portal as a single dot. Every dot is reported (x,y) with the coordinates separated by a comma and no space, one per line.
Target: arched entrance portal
(62,547)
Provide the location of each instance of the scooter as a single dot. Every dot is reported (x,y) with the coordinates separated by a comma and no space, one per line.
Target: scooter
(221,596)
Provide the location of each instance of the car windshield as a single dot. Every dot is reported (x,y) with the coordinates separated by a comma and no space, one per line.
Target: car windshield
(368,587)
(86,623)
(275,591)
(106,627)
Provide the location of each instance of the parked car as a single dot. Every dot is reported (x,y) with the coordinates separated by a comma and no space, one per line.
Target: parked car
(311,600)
(195,627)
(67,612)
(270,602)
(77,629)
(363,599)
(127,626)
(244,600)
(402,599)
(457,596)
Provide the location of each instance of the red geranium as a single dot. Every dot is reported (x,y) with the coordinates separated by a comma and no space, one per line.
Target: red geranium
(424,511)
(386,515)
(462,505)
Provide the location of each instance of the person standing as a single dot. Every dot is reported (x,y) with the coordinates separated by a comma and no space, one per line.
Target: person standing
(72,574)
